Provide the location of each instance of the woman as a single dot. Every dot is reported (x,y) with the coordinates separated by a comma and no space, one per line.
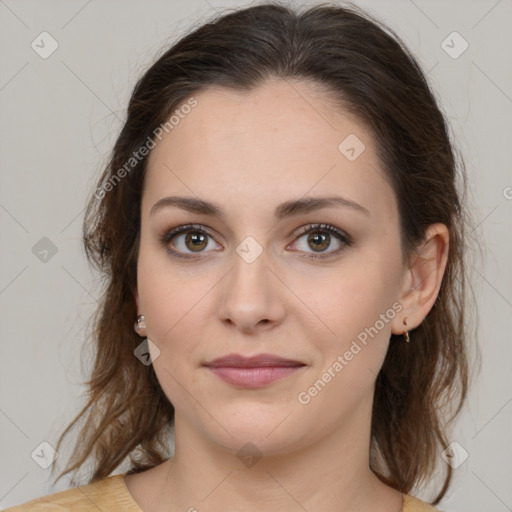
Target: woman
(281,234)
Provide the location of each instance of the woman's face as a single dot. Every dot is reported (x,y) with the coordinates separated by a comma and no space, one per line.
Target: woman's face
(244,281)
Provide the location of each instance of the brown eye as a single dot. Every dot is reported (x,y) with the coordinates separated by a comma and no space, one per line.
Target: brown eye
(196,241)
(321,242)
(320,238)
(186,240)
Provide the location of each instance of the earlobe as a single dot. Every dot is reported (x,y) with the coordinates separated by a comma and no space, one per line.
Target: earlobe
(140,324)
(424,277)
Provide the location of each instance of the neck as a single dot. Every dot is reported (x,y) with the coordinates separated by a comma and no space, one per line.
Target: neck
(331,474)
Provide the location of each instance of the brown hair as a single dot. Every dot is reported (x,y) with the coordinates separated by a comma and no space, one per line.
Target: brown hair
(364,67)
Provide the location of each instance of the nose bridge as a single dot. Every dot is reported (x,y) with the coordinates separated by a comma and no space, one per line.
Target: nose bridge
(249,293)
(250,272)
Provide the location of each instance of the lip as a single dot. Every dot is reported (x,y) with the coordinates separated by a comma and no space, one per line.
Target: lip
(255,371)
(257,361)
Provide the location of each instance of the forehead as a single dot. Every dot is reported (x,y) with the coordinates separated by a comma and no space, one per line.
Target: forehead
(282,139)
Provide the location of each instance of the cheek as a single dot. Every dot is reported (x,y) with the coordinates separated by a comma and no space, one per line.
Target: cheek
(351,297)
(165,297)
(166,291)
(358,306)
(175,299)
(171,304)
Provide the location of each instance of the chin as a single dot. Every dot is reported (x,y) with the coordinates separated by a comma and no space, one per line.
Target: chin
(257,440)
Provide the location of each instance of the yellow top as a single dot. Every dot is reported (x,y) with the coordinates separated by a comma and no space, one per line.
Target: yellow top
(111,494)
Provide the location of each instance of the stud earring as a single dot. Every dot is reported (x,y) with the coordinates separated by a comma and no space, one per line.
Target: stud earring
(140,324)
(406,333)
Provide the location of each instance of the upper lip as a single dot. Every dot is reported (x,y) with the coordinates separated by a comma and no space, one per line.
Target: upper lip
(253,361)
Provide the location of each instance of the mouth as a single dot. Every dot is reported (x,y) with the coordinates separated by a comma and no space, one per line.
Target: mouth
(255,371)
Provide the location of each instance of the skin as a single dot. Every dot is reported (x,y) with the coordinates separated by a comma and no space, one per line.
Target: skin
(249,152)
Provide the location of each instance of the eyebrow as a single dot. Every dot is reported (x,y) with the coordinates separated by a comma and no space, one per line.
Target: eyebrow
(286,209)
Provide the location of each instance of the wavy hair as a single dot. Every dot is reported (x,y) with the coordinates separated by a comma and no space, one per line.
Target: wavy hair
(365,68)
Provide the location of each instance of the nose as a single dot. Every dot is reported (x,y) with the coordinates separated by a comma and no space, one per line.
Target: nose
(252,295)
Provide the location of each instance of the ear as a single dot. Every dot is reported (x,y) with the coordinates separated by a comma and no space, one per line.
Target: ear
(422,279)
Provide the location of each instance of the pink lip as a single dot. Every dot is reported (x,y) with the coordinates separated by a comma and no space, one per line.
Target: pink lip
(254,377)
(237,360)
(253,372)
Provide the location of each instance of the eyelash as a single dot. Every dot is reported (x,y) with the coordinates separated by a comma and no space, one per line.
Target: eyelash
(167,236)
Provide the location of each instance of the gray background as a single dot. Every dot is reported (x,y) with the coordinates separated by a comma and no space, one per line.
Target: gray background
(59,119)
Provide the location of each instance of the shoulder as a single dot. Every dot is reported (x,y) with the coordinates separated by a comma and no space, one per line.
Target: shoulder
(108,494)
(412,504)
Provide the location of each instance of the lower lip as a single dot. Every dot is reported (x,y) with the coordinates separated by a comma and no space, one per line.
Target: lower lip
(253,377)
